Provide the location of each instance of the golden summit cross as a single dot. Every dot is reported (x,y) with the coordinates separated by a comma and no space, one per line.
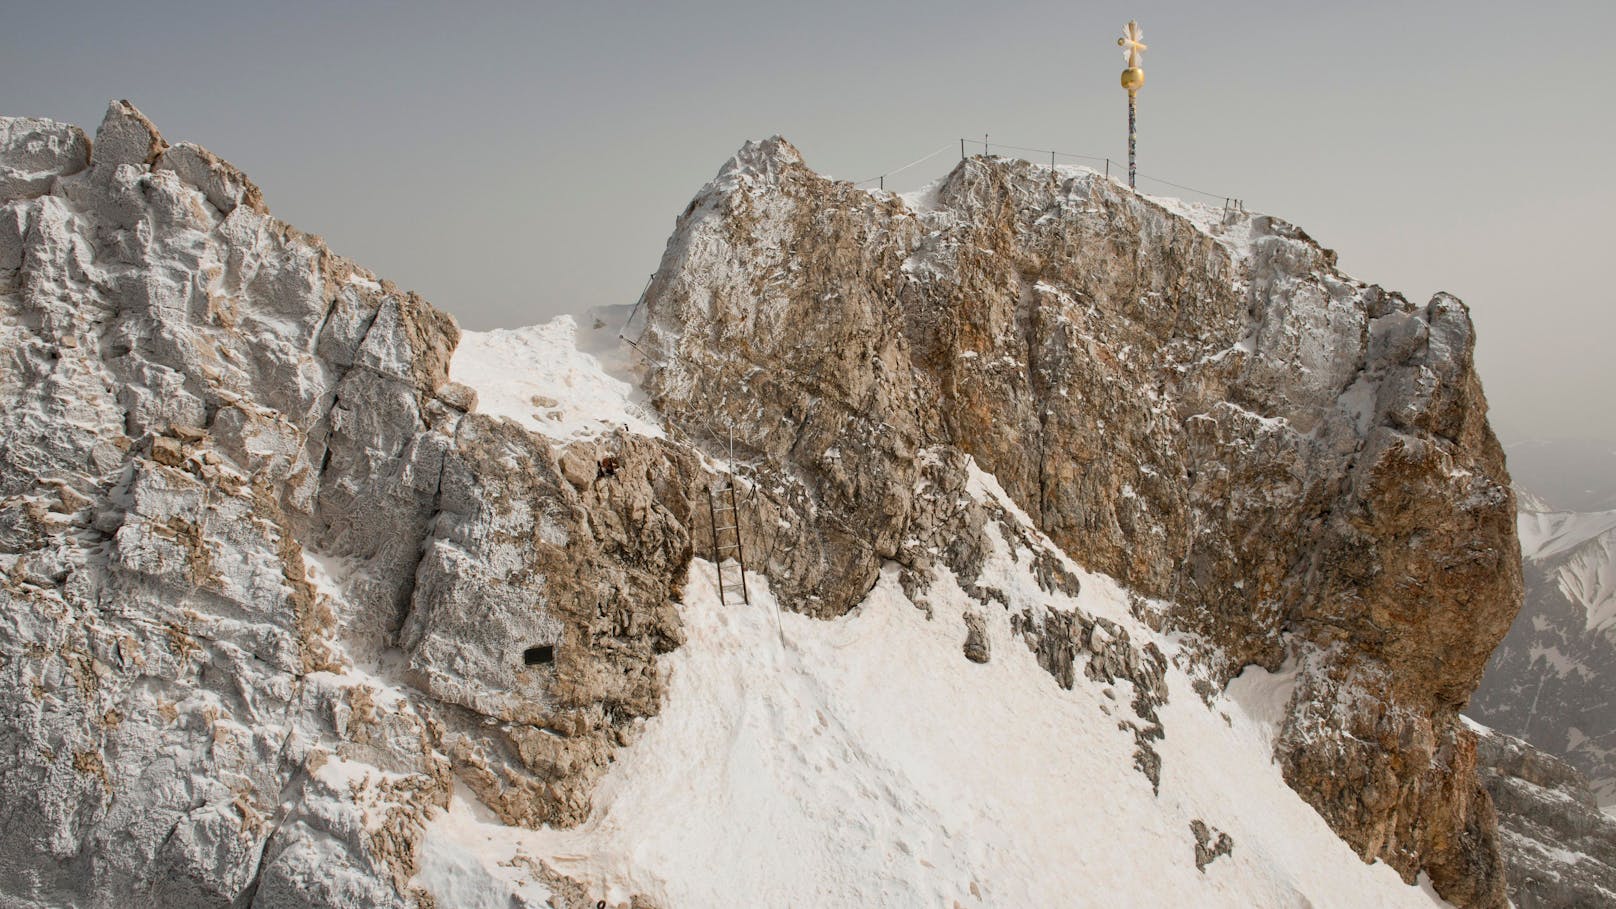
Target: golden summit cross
(1132,43)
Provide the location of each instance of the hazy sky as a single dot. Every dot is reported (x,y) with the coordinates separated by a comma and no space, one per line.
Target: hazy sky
(514,161)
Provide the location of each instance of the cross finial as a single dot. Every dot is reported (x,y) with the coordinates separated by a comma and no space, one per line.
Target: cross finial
(1132,43)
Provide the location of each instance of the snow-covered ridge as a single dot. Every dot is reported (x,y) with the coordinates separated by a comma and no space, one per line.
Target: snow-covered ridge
(1548,534)
(1579,549)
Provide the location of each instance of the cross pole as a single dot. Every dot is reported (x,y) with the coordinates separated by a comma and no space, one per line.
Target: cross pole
(1132,43)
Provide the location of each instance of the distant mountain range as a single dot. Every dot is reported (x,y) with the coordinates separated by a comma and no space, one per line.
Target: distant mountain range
(1566,474)
(1549,682)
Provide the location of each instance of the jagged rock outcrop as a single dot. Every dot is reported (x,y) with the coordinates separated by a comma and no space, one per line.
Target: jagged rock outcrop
(241,505)
(1559,848)
(1208,411)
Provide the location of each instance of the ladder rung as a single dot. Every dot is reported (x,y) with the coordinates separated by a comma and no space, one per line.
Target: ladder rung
(722,499)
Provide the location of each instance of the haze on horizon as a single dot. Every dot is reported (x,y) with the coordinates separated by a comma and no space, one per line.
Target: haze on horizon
(516,161)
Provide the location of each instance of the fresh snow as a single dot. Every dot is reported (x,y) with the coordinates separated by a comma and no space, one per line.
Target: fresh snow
(540,378)
(1588,578)
(1547,534)
(863,761)
(1584,543)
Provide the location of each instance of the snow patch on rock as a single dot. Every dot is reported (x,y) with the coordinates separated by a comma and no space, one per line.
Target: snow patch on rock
(538,377)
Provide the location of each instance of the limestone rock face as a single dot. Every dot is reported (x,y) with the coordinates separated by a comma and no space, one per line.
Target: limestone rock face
(35,152)
(1546,809)
(541,601)
(1204,408)
(241,509)
(127,137)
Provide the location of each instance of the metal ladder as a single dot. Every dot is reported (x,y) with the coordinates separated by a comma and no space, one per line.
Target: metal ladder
(722,506)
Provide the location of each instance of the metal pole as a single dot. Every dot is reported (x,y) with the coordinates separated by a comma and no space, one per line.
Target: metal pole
(962,149)
(984,144)
(883,181)
(718,561)
(1108,168)
(1133,136)
(740,551)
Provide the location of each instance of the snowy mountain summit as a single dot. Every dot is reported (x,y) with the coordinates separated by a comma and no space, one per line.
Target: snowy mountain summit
(1099,550)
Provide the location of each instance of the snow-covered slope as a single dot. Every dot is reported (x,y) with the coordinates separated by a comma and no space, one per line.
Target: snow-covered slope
(865,761)
(540,378)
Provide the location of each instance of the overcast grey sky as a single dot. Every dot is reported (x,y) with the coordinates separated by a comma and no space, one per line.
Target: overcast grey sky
(512,161)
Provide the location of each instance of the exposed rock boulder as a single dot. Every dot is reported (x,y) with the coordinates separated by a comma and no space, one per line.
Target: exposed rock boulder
(224,186)
(977,648)
(127,137)
(1210,843)
(542,601)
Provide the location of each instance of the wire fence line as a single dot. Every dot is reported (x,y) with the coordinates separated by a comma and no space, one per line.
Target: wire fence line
(1229,202)
(882,178)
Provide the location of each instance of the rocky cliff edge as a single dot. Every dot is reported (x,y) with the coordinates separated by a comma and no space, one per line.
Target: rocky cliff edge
(1296,464)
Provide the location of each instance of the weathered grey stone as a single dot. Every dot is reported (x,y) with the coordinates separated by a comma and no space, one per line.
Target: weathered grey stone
(126,137)
(33,153)
(977,648)
(201,411)
(224,186)
(1546,812)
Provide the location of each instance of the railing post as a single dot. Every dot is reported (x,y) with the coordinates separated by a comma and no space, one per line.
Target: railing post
(718,560)
(740,548)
